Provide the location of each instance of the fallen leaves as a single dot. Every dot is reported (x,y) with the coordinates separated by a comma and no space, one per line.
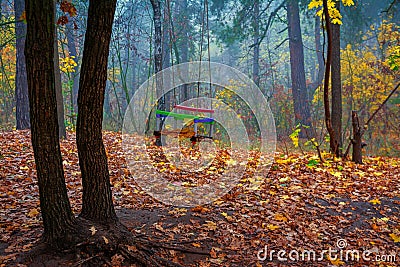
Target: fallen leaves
(210,225)
(33,213)
(396,238)
(300,203)
(375,201)
(93,230)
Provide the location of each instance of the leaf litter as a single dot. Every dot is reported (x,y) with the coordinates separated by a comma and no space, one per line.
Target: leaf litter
(299,204)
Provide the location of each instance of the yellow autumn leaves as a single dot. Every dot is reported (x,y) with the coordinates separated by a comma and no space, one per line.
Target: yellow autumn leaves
(68,64)
(333,11)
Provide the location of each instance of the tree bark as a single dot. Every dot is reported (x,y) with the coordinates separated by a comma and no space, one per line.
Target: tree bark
(336,92)
(21,84)
(97,196)
(57,216)
(299,88)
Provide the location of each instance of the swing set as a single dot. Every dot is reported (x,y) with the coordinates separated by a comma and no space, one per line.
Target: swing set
(197,117)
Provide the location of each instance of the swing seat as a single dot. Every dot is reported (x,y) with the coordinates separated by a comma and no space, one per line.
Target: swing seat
(178,116)
(204,110)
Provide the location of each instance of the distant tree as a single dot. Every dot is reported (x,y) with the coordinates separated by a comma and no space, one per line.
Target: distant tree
(182,31)
(21,84)
(59,95)
(72,50)
(156,5)
(256,44)
(58,219)
(97,197)
(320,59)
(250,20)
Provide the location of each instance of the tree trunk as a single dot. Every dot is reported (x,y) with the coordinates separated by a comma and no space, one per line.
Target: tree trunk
(357,134)
(167,47)
(256,39)
(299,89)
(336,92)
(320,60)
(97,196)
(21,84)
(75,74)
(182,27)
(39,52)
(59,96)
(328,122)
(158,65)
(166,40)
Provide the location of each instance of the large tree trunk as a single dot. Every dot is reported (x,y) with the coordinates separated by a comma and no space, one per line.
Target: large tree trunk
(97,196)
(299,89)
(21,84)
(59,96)
(39,52)
(336,92)
(256,39)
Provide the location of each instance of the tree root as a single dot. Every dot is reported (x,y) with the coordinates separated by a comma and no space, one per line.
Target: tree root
(108,245)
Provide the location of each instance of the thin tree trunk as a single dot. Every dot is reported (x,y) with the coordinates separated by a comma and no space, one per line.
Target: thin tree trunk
(60,101)
(328,122)
(56,212)
(166,41)
(357,134)
(21,84)
(256,39)
(167,46)
(157,36)
(320,59)
(336,92)
(299,89)
(180,35)
(72,52)
(97,196)
(158,64)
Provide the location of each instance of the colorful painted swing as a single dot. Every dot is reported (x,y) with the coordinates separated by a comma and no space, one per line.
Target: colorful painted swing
(195,118)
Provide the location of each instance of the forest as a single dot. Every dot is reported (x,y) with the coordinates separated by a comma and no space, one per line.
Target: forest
(200,133)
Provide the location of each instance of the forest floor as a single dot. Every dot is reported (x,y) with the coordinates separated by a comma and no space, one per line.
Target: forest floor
(300,205)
